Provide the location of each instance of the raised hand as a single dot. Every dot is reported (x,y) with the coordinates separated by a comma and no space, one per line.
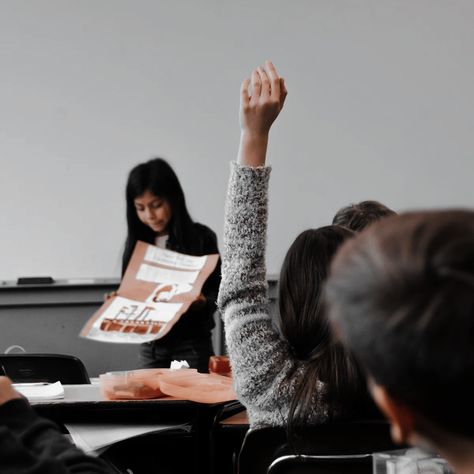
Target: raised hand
(258,110)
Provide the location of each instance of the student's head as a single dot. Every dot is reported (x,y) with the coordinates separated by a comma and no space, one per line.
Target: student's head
(155,205)
(358,216)
(401,296)
(303,321)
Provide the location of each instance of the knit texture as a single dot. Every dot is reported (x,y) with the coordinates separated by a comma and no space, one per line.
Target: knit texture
(265,373)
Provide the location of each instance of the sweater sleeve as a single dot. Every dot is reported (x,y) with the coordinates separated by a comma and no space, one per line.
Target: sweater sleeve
(265,373)
(30,444)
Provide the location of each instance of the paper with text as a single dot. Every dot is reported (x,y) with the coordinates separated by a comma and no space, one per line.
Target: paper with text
(158,287)
(163,275)
(174,259)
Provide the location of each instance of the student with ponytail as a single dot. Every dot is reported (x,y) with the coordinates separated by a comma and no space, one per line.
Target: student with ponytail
(301,375)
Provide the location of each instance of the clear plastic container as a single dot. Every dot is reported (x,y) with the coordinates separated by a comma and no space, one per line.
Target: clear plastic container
(410,461)
(135,384)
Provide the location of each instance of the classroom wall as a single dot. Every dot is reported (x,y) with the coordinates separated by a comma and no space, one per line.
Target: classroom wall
(380,106)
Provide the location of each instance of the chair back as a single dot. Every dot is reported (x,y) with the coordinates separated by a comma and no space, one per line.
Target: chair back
(262,446)
(293,464)
(226,439)
(23,368)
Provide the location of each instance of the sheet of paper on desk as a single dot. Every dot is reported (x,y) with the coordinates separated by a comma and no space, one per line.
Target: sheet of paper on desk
(96,438)
(40,391)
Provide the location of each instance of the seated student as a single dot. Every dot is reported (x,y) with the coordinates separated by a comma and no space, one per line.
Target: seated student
(401,295)
(302,377)
(358,216)
(30,444)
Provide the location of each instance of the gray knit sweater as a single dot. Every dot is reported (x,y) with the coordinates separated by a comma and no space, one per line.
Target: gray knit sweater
(264,371)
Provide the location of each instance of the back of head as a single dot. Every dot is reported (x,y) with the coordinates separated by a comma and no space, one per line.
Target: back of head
(303,321)
(304,324)
(401,294)
(357,217)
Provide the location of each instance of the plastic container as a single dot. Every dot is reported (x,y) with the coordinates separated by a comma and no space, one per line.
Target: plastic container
(409,461)
(136,384)
(220,365)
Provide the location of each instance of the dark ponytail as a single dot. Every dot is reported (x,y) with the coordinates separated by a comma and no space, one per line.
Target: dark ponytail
(306,329)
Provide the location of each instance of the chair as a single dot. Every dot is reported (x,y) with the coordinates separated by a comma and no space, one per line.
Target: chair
(226,440)
(262,446)
(294,464)
(23,368)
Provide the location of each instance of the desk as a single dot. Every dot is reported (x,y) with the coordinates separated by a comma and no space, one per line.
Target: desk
(84,403)
(240,419)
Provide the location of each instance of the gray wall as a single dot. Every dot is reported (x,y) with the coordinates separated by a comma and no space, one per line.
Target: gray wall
(380,106)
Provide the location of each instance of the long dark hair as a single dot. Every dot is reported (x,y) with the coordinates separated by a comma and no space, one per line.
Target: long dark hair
(305,326)
(157,177)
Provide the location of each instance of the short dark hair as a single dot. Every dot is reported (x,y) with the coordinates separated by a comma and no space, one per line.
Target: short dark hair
(358,216)
(401,295)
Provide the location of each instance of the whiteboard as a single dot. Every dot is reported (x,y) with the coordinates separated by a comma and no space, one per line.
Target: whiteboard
(380,106)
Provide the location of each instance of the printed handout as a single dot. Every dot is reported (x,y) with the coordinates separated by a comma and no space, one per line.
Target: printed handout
(158,287)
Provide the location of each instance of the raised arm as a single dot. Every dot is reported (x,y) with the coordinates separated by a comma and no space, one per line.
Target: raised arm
(261,362)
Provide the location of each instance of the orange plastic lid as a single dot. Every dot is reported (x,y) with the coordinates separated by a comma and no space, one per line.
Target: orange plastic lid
(201,388)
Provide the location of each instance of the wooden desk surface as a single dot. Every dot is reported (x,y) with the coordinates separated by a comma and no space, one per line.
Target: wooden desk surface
(239,419)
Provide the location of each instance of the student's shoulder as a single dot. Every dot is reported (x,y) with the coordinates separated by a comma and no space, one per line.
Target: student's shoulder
(204,231)
(206,237)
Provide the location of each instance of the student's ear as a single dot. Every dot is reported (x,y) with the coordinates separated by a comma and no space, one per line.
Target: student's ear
(400,416)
